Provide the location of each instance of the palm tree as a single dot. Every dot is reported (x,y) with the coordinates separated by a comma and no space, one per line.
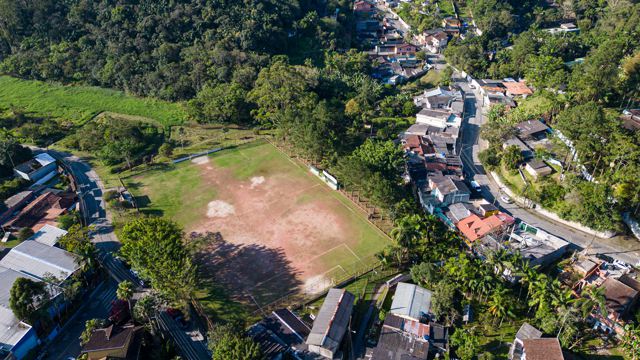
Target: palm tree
(500,304)
(597,297)
(125,292)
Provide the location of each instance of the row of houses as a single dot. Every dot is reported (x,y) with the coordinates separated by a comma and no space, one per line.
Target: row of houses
(407,331)
(394,58)
(37,258)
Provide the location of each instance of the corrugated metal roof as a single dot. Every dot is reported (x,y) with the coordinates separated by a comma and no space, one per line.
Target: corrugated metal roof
(7,278)
(332,321)
(48,235)
(11,329)
(39,260)
(411,301)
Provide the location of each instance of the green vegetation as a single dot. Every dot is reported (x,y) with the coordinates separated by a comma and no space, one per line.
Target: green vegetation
(80,103)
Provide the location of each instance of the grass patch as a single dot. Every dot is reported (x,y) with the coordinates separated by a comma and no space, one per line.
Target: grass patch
(80,103)
(11,243)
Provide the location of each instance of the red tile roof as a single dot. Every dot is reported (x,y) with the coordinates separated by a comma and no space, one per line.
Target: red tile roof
(542,349)
(474,227)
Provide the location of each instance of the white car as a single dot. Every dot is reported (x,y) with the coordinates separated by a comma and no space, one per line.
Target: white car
(506,199)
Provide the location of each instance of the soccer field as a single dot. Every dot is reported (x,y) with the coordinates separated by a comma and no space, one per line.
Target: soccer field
(280,228)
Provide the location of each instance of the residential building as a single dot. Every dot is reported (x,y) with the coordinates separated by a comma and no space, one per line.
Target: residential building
(114,342)
(475,227)
(537,168)
(449,190)
(42,166)
(331,323)
(536,245)
(525,150)
(542,349)
(48,235)
(405,49)
(402,339)
(532,130)
(41,261)
(563,29)
(434,42)
(631,119)
(441,98)
(15,203)
(458,211)
(452,25)
(438,118)
(526,332)
(280,333)
(498,98)
(17,338)
(517,89)
(411,302)
(488,86)
(620,298)
(45,209)
(363,7)
(486,209)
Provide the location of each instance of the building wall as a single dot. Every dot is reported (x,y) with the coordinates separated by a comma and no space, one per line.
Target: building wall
(25,345)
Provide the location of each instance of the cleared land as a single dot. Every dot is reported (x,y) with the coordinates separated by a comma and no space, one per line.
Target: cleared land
(81,103)
(279,228)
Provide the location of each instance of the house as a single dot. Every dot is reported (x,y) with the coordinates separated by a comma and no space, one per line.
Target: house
(474,227)
(498,98)
(41,261)
(620,298)
(541,349)
(532,129)
(631,119)
(434,42)
(280,333)
(458,211)
(114,342)
(563,28)
(526,332)
(17,338)
(441,98)
(411,302)
(536,245)
(363,7)
(449,190)
(438,118)
(537,168)
(452,25)
(488,86)
(405,50)
(44,209)
(525,150)
(517,89)
(16,203)
(48,235)
(402,339)
(331,323)
(42,166)
(487,209)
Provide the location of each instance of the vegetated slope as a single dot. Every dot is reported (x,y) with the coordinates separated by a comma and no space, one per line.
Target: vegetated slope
(81,103)
(166,49)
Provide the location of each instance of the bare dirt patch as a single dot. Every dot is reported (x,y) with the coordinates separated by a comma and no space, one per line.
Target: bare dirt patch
(201,160)
(274,238)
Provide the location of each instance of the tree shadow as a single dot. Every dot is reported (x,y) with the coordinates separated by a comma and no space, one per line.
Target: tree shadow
(252,274)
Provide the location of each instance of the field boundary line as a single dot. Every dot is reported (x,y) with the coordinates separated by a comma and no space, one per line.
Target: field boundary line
(327,251)
(354,254)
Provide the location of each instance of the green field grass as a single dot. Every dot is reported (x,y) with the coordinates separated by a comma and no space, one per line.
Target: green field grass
(181,193)
(81,103)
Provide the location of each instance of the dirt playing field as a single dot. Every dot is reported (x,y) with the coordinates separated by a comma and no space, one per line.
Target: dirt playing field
(277,227)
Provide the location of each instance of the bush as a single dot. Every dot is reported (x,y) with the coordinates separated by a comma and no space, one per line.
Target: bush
(110,195)
(165,150)
(66,221)
(25,233)
(489,158)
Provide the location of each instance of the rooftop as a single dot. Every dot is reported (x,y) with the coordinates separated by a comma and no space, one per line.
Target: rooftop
(411,301)
(48,235)
(38,161)
(40,261)
(527,331)
(11,329)
(618,295)
(17,198)
(332,320)
(530,127)
(110,338)
(517,88)
(543,349)
(475,227)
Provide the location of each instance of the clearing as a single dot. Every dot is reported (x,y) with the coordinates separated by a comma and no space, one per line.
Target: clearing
(80,103)
(278,228)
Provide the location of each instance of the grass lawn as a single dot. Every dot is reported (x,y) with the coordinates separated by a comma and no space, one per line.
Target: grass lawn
(10,244)
(81,103)
(287,229)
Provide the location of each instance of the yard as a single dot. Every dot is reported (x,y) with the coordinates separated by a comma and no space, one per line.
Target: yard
(279,229)
(80,103)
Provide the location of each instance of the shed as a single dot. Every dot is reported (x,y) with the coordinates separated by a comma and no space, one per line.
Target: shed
(331,323)
(537,168)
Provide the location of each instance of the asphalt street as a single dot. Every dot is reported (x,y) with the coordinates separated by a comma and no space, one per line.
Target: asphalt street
(97,306)
(470,137)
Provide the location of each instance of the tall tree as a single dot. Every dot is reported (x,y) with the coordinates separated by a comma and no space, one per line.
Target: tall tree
(25,297)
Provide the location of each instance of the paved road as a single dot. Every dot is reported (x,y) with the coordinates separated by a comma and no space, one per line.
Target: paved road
(627,250)
(97,307)
(191,345)
(91,190)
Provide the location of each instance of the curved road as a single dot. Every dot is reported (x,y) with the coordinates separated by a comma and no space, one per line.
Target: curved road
(624,249)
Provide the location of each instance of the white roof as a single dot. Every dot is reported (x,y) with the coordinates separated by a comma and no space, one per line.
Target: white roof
(48,235)
(39,260)
(11,329)
(44,159)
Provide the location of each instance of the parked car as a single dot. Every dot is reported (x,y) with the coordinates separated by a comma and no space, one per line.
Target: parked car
(506,199)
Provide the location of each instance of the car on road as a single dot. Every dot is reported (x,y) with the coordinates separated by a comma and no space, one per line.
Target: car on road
(475,186)
(506,199)
(136,276)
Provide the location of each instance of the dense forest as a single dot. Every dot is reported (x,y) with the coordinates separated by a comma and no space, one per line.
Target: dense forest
(168,49)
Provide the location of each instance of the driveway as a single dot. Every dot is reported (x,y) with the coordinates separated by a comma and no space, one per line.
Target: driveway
(626,249)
